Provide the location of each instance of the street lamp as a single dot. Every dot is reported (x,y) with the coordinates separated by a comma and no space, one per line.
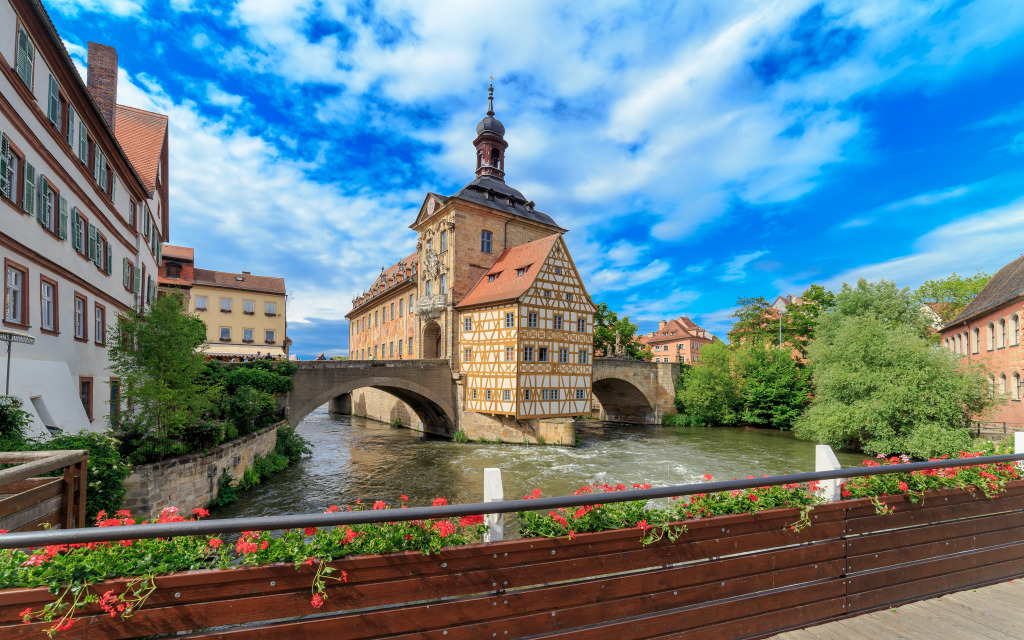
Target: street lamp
(9,336)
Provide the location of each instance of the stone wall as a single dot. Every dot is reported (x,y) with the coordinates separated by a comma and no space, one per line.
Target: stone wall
(190,481)
(380,405)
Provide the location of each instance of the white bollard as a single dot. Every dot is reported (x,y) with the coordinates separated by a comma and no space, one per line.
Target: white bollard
(825,460)
(493,493)
(1018,446)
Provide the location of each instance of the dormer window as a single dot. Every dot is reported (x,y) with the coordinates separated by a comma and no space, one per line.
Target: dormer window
(173,270)
(491,277)
(521,271)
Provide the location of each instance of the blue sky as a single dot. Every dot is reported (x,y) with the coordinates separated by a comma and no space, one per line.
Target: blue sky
(697,151)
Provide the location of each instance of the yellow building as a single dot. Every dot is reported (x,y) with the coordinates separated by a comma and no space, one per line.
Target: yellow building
(245,315)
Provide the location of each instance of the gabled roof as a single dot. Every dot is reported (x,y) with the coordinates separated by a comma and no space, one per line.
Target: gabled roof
(676,329)
(175,252)
(1005,285)
(141,135)
(506,285)
(241,281)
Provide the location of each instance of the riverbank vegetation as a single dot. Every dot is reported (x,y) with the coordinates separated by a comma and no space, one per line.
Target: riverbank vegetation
(858,369)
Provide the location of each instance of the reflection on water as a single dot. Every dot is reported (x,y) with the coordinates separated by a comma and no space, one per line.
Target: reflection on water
(359,458)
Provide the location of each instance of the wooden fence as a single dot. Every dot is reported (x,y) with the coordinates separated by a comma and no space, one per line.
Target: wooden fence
(735,576)
(28,501)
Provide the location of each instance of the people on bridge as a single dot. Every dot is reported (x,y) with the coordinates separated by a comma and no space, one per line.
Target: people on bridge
(321,357)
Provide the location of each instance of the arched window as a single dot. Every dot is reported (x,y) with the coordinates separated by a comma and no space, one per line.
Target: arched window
(1015,329)
(1002,333)
(990,336)
(495,157)
(947,343)
(960,343)
(967,342)
(976,346)
(1002,384)
(1015,386)
(479,158)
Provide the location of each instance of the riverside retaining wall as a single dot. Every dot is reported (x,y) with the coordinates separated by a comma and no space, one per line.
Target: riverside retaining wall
(190,481)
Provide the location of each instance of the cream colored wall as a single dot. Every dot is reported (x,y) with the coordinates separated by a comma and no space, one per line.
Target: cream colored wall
(236,320)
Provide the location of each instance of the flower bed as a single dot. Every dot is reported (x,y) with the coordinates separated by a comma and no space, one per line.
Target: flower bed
(193,582)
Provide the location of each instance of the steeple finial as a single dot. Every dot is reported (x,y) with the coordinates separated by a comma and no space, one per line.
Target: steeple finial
(490,98)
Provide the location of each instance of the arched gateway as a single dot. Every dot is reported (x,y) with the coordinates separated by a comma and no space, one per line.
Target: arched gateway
(424,385)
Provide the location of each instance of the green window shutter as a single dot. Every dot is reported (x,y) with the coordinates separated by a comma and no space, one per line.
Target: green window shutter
(54,113)
(28,195)
(71,126)
(25,57)
(92,243)
(125,270)
(113,186)
(41,214)
(5,153)
(110,258)
(137,280)
(83,143)
(159,253)
(99,165)
(147,223)
(62,221)
(76,236)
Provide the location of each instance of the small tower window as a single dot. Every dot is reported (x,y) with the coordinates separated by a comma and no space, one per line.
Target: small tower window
(479,158)
(495,157)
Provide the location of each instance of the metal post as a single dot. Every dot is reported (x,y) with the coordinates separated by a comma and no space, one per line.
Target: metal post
(825,460)
(493,493)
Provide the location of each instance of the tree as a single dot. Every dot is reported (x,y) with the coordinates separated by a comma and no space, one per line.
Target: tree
(162,376)
(952,293)
(607,326)
(707,394)
(774,388)
(881,386)
(800,322)
(753,319)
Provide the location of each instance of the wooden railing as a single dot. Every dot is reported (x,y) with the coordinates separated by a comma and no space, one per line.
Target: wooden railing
(28,500)
(744,575)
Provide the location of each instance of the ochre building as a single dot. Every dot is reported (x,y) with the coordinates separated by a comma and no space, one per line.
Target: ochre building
(493,289)
(245,315)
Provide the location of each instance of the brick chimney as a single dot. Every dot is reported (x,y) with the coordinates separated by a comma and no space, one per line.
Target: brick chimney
(661,324)
(102,79)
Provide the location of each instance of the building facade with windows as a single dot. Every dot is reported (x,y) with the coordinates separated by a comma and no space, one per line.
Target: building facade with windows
(988,331)
(83,197)
(677,340)
(245,315)
(466,272)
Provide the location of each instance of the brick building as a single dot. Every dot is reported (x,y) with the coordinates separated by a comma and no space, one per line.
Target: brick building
(83,191)
(677,340)
(490,287)
(988,331)
(245,314)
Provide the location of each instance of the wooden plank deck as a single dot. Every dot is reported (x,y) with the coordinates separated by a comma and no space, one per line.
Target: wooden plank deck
(995,612)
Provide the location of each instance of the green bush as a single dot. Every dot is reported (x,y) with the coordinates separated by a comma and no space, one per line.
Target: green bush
(250,478)
(107,470)
(290,444)
(676,420)
(12,423)
(261,379)
(249,409)
(397,422)
(227,492)
(460,436)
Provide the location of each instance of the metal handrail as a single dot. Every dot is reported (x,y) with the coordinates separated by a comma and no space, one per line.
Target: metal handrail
(299,521)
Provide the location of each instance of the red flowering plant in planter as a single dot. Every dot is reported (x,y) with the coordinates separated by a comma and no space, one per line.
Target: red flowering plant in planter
(71,572)
(783,496)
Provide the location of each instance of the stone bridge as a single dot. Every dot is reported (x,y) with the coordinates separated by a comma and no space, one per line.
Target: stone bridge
(623,391)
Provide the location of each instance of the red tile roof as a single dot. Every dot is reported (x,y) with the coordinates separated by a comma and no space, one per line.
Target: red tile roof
(683,327)
(506,284)
(242,281)
(141,135)
(179,253)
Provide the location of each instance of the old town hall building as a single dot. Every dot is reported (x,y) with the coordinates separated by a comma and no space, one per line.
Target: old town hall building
(492,288)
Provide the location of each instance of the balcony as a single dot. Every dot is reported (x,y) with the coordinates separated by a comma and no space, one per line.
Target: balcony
(430,307)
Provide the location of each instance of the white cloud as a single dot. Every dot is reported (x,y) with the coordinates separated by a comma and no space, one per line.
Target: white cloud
(734,269)
(217,96)
(927,199)
(120,8)
(988,239)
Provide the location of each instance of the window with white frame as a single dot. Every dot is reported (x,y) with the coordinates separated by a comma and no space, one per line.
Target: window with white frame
(441,286)
(563,355)
(225,305)
(47,305)
(558,323)
(100,330)
(1015,329)
(444,241)
(269,336)
(487,394)
(554,394)
(249,307)
(580,394)
(510,320)
(270,309)
(225,334)
(79,317)
(467,354)
(542,354)
(1001,336)
(467,323)
(544,394)
(474,394)
(975,340)
(509,353)
(507,395)
(583,356)
(15,296)
(527,354)
(990,336)
(531,320)
(581,324)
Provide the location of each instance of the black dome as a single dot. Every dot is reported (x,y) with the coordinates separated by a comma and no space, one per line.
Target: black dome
(492,125)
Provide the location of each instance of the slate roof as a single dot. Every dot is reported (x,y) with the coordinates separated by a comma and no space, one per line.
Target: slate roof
(141,135)
(262,284)
(175,252)
(388,275)
(507,285)
(491,192)
(1005,285)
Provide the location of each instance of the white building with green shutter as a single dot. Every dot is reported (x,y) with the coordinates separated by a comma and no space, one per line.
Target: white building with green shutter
(83,212)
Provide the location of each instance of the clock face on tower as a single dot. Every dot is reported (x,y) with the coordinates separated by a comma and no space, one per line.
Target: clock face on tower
(430,206)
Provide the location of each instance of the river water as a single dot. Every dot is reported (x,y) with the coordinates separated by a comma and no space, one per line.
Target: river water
(356,458)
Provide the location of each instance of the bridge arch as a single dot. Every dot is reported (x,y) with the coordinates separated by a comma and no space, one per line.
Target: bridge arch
(424,385)
(633,391)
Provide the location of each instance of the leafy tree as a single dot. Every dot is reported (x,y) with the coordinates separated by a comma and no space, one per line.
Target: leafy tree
(953,293)
(754,321)
(607,326)
(708,395)
(162,375)
(800,322)
(881,386)
(774,388)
